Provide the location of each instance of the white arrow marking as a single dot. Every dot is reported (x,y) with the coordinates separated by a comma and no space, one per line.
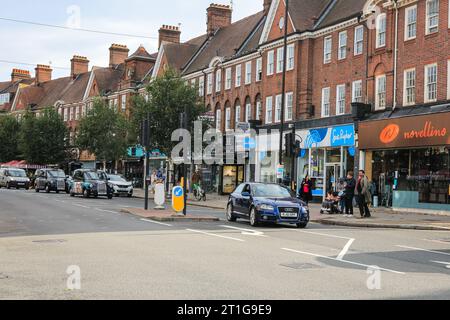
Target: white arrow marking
(247,232)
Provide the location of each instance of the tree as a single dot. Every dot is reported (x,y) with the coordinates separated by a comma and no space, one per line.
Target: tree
(103,132)
(9,137)
(43,139)
(169,96)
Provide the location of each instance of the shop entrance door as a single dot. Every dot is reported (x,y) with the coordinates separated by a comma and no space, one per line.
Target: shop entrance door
(332,175)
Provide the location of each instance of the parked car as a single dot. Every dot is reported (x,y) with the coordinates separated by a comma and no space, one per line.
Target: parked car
(50,180)
(270,203)
(14,178)
(88,183)
(120,185)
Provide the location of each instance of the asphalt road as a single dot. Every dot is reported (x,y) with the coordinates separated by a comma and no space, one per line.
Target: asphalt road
(125,257)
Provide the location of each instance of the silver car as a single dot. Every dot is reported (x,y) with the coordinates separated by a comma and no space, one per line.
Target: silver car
(120,185)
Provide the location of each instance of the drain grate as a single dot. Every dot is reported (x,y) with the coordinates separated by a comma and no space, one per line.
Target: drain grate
(50,241)
(302,266)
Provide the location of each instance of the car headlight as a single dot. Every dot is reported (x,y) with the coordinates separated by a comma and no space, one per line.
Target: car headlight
(91,186)
(304,210)
(266,207)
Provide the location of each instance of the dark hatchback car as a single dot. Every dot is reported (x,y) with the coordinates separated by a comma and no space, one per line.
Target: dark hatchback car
(88,183)
(50,180)
(269,203)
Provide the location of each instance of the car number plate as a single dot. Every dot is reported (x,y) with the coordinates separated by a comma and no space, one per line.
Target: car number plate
(289,214)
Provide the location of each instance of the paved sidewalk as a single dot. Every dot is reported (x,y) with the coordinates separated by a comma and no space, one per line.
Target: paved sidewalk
(167,215)
(381,217)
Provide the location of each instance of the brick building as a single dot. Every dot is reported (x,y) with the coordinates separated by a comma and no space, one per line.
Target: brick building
(346,61)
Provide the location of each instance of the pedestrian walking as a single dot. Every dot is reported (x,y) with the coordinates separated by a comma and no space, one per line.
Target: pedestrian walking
(349,193)
(340,188)
(362,190)
(306,190)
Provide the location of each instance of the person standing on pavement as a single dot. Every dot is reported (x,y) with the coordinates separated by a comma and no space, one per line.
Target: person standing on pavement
(340,188)
(153,179)
(306,190)
(349,193)
(362,191)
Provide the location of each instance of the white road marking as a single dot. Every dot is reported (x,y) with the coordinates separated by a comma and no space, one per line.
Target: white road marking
(343,261)
(215,235)
(109,211)
(420,249)
(156,222)
(246,232)
(345,250)
(436,241)
(322,234)
(79,205)
(446,264)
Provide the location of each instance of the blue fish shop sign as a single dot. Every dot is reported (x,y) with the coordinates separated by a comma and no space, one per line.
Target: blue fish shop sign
(339,136)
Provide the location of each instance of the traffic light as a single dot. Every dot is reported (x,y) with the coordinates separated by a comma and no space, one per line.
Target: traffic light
(290,144)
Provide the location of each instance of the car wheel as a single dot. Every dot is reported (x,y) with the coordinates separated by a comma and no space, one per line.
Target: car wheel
(254,221)
(230,216)
(301,225)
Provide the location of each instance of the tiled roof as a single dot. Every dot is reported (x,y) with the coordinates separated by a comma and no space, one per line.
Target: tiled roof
(303,12)
(342,10)
(108,78)
(226,42)
(141,52)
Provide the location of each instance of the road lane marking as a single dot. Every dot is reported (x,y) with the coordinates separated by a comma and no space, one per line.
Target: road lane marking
(79,205)
(246,232)
(437,241)
(322,234)
(343,261)
(215,235)
(446,264)
(345,250)
(420,249)
(156,222)
(108,211)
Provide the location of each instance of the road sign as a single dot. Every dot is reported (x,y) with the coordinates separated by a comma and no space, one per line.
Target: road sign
(178,199)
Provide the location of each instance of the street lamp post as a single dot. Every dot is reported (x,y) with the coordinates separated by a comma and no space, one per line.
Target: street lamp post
(283,87)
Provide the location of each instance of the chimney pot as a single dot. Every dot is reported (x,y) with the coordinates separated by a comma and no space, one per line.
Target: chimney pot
(19,74)
(118,53)
(79,65)
(43,73)
(219,16)
(169,34)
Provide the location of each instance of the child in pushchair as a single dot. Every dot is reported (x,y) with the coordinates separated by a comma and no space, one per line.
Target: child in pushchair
(331,204)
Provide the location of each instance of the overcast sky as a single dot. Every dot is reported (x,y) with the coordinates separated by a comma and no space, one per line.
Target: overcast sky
(37,44)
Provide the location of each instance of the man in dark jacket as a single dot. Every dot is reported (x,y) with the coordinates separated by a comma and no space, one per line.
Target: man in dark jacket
(350,184)
(363,195)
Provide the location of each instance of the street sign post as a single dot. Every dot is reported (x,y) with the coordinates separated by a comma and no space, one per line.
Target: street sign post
(178,199)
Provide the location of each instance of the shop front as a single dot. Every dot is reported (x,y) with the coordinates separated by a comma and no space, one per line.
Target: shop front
(327,155)
(408,158)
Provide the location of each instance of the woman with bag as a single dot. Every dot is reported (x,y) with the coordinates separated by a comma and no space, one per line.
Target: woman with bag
(306,190)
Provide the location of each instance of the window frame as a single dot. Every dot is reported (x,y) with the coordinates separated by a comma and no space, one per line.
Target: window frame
(270,62)
(259,71)
(379,33)
(280,59)
(248,73)
(339,100)
(227,119)
(290,57)
(427,18)
(269,111)
(408,24)
(218,80)
(327,55)
(426,86)
(201,86)
(278,107)
(218,119)
(289,108)
(406,87)
(377,92)
(228,78)
(209,84)
(238,76)
(354,96)
(356,41)
(342,45)
(324,103)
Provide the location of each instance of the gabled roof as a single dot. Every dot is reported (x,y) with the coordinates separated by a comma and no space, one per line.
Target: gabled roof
(226,42)
(341,10)
(304,12)
(108,79)
(141,53)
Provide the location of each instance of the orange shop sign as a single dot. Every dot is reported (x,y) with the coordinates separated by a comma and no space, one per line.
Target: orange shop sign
(415,131)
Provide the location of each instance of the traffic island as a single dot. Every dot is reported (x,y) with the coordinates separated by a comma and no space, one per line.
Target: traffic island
(167,215)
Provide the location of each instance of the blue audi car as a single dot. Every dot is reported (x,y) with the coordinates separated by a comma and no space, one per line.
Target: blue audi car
(271,203)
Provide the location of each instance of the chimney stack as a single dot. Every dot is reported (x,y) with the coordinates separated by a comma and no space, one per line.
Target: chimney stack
(219,16)
(43,73)
(117,54)
(78,65)
(267,4)
(18,74)
(169,34)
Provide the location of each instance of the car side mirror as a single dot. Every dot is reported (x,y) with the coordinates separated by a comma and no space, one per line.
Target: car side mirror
(246,194)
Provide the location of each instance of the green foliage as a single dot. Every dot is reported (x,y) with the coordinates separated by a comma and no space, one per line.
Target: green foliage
(169,95)
(9,138)
(103,132)
(43,139)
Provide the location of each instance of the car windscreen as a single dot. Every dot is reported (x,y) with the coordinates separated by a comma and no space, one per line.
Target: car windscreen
(270,191)
(102,176)
(17,173)
(117,178)
(57,174)
(91,176)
